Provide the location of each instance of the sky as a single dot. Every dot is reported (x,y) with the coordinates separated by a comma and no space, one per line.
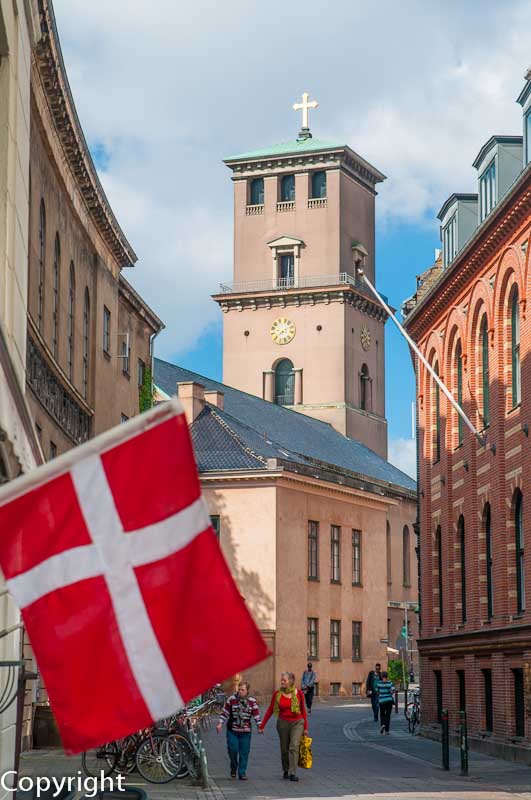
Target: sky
(165,91)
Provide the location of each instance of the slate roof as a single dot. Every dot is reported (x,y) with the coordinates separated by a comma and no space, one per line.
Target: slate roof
(286,148)
(250,430)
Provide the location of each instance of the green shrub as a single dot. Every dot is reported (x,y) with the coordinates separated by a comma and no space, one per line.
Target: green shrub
(395,671)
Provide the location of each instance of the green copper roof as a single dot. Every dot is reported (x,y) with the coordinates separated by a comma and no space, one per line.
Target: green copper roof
(286,148)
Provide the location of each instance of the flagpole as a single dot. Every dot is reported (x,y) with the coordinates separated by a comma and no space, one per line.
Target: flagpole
(424,360)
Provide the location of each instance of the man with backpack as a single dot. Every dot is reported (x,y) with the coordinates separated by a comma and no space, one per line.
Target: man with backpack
(370,689)
(238,712)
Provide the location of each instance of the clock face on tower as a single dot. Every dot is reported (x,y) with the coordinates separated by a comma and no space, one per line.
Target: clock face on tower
(282,330)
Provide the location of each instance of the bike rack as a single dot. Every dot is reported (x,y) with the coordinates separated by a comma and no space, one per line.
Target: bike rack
(9,693)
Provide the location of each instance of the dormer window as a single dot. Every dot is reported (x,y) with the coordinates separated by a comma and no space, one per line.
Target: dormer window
(487,191)
(256,193)
(450,241)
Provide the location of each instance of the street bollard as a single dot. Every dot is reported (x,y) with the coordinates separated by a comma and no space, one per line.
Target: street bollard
(396,701)
(445,740)
(463,742)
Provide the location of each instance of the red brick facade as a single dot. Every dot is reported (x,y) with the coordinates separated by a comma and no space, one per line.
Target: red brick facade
(471,311)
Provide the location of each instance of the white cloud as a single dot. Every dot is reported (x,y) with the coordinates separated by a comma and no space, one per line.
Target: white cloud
(168,89)
(403,454)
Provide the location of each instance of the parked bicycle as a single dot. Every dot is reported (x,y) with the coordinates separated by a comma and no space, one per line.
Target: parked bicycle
(412,711)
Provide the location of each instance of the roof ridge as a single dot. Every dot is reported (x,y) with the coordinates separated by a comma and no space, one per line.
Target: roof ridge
(226,427)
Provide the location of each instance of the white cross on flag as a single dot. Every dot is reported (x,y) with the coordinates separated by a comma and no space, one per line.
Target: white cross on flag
(128,602)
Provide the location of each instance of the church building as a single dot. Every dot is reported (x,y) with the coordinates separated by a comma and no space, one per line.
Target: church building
(315,524)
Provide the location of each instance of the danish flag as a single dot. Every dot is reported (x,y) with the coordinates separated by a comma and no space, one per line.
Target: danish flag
(126,597)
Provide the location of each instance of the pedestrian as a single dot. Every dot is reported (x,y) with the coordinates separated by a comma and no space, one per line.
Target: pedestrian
(385,689)
(289,707)
(370,689)
(309,679)
(238,712)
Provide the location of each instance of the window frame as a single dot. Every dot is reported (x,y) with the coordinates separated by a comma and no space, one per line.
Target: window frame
(488,699)
(357,563)
(86,343)
(323,187)
(438,545)
(487,190)
(56,293)
(42,265)
(288,383)
(357,640)
(335,553)
(436,443)
(461,533)
(283,182)
(106,331)
(256,196)
(459,392)
(406,557)
(487,529)
(215,523)
(312,634)
(485,376)
(516,367)
(313,549)
(519,539)
(335,639)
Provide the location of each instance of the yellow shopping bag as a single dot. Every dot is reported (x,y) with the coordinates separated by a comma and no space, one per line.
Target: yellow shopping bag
(305,752)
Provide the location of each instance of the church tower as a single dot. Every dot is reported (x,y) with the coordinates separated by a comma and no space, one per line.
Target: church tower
(298,328)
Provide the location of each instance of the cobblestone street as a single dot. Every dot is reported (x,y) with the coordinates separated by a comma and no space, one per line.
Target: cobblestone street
(351,759)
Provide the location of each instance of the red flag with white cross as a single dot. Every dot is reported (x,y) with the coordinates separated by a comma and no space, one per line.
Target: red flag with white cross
(127,599)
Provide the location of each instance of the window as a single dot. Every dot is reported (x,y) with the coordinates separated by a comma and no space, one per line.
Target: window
(437,418)
(55,311)
(215,522)
(287,269)
(256,194)
(106,330)
(450,241)
(123,419)
(438,693)
(438,544)
(485,380)
(141,372)
(287,188)
(487,191)
(462,689)
(86,334)
(313,550)
(461,538)
(335,639)
(515,349)
(318,185)
(71,319)
(335,689)
(527,131)
(365,381)
(53,450)
(335,553)
(487,695)
(284,383)
(388,555)
(42,263)
(519,702)
(356,641)
(519,537)
(406,557)
(488,558)
(459,382)
(126,356)
(313,637)
(356,689)
(356,558)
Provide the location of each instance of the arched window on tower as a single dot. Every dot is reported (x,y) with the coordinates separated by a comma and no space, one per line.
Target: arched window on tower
(515,348)
(256,194)
(406,557)
(284,383)
(86,342)
(42,264)
(287,188)
(318,184)
(519,542)
(71,319)
(56,279)
(365,388)
(485,379)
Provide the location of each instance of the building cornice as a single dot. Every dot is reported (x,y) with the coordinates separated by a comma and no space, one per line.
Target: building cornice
(486,639)
(487,240)
(54,80)
(139,305)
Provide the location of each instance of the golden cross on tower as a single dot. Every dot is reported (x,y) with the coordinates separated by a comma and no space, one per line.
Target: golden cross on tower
(304,107)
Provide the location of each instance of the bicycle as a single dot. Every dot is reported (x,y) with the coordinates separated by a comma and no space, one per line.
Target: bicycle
(412,712)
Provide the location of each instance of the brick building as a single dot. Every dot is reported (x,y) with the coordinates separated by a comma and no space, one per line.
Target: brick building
(473,326)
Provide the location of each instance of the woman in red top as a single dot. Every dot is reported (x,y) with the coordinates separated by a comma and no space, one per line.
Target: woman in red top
(288,706)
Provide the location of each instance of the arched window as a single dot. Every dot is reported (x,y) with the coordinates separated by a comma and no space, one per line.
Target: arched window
(365,388)
(462,554)
(438,545)
(257,192)
(459,390)
(86,342)
(488,558)
(485,379)
(519,541)
(287,188)
(42,263)
(71,319)
(436,444)
(318,184)
(515,348)
(388,554)
(406,565)
(56,279)
(284,383)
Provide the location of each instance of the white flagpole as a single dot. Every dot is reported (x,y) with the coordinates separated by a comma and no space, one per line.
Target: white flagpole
(428,366)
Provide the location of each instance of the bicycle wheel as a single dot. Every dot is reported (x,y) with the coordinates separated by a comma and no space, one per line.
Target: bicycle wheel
(413,720)
(409,710)
(152,760)
(100,760)
(126,758)
(173,754)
